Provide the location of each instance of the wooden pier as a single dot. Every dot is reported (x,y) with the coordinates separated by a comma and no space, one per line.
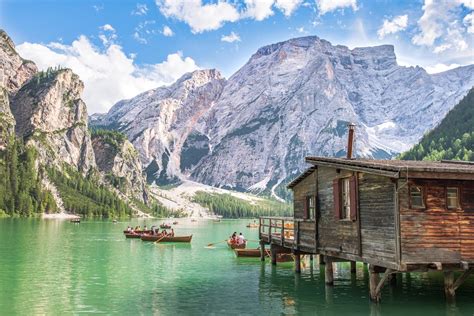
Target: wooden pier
(395,216)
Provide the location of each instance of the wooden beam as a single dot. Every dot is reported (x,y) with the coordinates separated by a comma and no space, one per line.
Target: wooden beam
(328,271)
(375,284)
(353,267)
(462,278)
(262,251)
(297,262)
(449,289)
(274,253)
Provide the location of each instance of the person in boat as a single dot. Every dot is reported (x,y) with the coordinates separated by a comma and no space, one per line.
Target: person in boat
(144,227)
(129,229)
(241,239)
(233,238)
(172,233)
(164,232)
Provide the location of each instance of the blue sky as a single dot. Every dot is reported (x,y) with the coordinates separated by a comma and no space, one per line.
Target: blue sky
(121,48)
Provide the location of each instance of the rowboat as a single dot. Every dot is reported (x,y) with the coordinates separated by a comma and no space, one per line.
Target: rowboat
(138,232)
(76,220)
(175,223)
(252,225)
(165,226)
(247,252)
(236,246)
(160,238)
(132,235)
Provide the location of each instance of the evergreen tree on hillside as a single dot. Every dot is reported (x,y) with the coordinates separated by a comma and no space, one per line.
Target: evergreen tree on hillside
(452,139)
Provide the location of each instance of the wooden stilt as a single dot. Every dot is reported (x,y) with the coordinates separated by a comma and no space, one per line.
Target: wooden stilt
(297,263)
(321,259)
(262,251)
(393,279)
(449,289)
(373,281)
(375,284)
(329,273)
(353,267)
(274,254)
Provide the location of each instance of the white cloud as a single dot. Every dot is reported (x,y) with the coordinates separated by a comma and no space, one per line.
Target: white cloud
(399,23)
(440,68)
(258,9)
(141,9)
(98,8)
(440,26)
(144,31)
(200,17)
(288,6)
(107,27)
(109,75)
(300,29)
(212,16)
(326,6)
(232,37)
(469,22)
(167,31)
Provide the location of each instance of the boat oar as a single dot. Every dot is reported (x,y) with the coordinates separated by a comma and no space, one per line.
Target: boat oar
(160,239)
(214,243)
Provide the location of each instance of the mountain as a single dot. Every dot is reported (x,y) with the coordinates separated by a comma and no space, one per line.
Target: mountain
(452,139)
(290,99)
(47,157)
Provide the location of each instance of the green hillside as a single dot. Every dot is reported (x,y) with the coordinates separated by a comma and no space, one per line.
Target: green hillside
(452,139)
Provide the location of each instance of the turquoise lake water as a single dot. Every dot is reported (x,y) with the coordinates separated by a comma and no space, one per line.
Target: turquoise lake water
(54,267)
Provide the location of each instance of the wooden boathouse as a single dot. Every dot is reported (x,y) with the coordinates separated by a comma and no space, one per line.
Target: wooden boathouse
(396,216)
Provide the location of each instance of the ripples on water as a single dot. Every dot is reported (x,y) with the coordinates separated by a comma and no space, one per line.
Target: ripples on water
(55,267)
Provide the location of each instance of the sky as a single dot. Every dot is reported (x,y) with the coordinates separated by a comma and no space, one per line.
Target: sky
(122,48)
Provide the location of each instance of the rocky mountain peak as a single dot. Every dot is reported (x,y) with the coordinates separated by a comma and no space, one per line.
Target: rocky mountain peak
(14,70)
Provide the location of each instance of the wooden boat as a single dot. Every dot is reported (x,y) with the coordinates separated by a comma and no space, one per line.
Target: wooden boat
(132,235)
(165,226)
(247,252)
(252,225)
(285,257)
(236,246)
(167,238)
(138,232)
(76,220)
(175,223)
(177,239)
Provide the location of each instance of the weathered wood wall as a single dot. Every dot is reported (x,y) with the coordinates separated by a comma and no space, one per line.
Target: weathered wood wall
(334,234)
(435,233)
(303,189)
(307,229)
(377,217)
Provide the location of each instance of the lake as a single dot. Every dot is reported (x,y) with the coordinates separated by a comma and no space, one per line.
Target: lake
(55,267)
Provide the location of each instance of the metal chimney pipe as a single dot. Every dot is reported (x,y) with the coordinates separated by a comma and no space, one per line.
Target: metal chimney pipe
(350,140)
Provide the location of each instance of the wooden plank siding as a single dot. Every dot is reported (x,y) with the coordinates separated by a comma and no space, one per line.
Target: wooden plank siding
(334,234)
(435,233)
(303,189)
(377,217)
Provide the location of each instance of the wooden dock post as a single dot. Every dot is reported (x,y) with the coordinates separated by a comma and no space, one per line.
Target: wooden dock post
(353,267)
(262,251)
(329,273)
(449,290)
(274,253)
(321,259)
(297,262)
(375,283)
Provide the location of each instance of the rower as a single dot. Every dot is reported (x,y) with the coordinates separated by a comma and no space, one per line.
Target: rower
(241,239)
(172,232)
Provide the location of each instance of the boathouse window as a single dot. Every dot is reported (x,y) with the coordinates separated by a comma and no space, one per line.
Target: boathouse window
(345,198)
(416,197)
(452,197)
(310,211)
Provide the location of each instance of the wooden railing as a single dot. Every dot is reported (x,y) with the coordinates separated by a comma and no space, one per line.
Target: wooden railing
(277,229)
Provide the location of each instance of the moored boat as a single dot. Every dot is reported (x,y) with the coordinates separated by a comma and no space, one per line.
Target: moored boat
(132,235)
(137,231)
(251,225)
(235,245)
(160,238)
(76,220)
(247,252)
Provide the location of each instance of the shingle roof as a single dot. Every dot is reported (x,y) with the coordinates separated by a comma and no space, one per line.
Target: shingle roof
(389,168)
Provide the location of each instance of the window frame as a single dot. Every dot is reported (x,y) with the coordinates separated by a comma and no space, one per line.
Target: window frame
(345,213)
(311,210)
(423,195)
(458,198)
